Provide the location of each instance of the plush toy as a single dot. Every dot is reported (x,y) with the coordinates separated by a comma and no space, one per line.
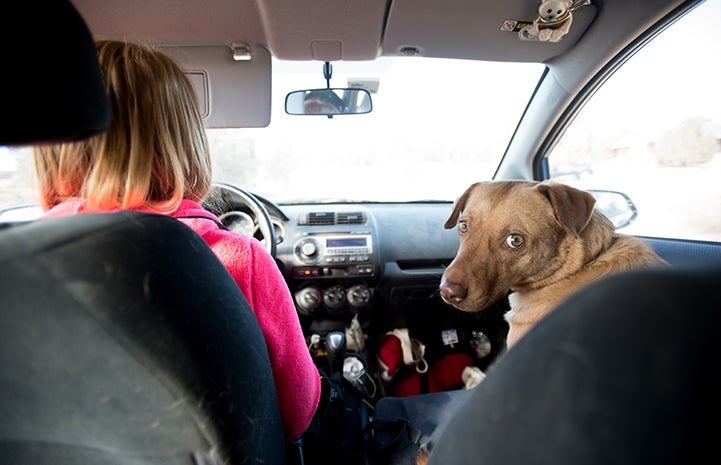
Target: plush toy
(553,21)
(443,374)
(472,376)
(401,364)
(554,11)
(396,350)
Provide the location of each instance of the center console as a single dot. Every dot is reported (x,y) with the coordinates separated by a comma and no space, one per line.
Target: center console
(331,261)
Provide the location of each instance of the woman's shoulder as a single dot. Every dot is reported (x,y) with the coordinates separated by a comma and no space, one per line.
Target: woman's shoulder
(197,218)
(226,243)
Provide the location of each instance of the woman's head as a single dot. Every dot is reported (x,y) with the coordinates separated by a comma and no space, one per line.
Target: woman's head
(155,152)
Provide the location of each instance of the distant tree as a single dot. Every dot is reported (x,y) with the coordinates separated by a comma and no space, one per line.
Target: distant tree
(693,142)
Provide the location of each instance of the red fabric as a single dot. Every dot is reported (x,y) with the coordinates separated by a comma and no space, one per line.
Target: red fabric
(390,356)
(443,374)
(297,379)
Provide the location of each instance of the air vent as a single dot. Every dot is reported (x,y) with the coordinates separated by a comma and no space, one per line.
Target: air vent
(319,219)
(331,218)
(351,218)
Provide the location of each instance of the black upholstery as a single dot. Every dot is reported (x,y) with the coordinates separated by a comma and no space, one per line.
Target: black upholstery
(123,340)
(52,86)
(623,373)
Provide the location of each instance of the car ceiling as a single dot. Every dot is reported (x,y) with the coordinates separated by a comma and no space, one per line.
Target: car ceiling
(343,30)
(332,30)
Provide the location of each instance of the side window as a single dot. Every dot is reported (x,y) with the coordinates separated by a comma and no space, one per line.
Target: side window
(653,131)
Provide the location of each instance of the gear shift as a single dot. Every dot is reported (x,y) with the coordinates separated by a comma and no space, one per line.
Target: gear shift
(335,345)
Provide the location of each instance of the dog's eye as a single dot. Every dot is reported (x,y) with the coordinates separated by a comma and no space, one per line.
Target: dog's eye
(514,241)
(462,227)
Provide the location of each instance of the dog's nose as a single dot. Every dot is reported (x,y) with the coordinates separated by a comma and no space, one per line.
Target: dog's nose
(451,292)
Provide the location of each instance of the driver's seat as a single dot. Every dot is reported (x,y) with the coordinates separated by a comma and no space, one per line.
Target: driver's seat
(123,340)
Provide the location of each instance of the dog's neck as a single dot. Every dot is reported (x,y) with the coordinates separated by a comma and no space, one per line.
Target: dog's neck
(519,322)
(597,236)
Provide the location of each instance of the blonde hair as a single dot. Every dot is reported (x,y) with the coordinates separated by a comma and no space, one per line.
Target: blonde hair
(155,152)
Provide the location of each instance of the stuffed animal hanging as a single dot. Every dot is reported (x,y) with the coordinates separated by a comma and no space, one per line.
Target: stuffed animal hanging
(553,20)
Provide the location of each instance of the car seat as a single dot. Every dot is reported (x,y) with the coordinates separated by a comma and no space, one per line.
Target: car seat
(623,372)
(123,339)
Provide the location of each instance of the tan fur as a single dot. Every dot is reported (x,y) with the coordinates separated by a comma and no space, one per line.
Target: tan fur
(566,244)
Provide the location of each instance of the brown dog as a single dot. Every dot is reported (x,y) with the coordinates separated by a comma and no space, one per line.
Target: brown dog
(539,240)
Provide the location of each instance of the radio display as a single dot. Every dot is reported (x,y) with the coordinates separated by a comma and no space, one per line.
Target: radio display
(346,242)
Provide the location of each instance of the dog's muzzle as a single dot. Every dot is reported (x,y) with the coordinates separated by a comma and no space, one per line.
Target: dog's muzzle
(451,292)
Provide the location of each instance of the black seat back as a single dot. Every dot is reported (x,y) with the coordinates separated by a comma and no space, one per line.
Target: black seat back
(123,340)
(624,372)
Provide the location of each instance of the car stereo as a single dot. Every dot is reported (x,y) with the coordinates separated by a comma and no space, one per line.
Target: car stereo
(335,255)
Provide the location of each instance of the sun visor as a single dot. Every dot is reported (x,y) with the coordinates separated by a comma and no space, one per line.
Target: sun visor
(233,84)
(486,30)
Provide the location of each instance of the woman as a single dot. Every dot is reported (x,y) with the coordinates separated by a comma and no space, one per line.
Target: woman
(155,158)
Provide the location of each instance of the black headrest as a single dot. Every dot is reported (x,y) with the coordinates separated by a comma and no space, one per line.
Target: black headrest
(51,81)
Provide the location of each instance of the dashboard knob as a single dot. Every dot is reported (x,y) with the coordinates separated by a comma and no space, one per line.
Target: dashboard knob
(308,300)
(334,298)
(358,296)
(308,249)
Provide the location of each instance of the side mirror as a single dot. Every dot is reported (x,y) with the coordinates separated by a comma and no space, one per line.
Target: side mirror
(617,206)
(329,102)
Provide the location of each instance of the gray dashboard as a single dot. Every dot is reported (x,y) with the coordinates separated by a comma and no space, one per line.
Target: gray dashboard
(331,249)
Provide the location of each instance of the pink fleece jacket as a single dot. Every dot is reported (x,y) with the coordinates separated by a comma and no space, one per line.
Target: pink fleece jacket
(296,378)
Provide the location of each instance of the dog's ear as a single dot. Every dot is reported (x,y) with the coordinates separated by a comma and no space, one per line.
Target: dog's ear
(458,207)
(573,207)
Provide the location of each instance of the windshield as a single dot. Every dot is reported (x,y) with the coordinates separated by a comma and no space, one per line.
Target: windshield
(436,125)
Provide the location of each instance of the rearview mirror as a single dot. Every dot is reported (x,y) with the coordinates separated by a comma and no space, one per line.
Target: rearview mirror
(328,102)
(616,206)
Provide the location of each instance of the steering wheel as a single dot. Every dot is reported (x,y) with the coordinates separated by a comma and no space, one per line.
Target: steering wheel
(224,197)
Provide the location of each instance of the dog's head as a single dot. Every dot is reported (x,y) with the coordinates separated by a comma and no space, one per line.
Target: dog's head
(515,235)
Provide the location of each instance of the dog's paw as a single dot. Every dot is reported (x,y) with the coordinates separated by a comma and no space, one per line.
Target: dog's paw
(472,376)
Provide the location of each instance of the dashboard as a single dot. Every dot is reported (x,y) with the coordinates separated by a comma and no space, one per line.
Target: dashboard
(374,267)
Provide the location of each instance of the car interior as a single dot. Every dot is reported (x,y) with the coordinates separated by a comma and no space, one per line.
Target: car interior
(125,341)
